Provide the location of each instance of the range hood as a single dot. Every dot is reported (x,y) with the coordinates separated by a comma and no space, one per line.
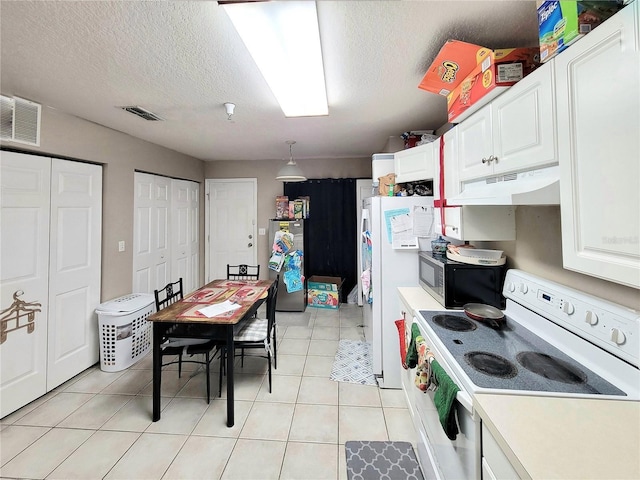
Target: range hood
(534,187)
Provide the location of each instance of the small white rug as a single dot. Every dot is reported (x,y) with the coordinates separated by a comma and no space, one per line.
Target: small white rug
(353,363)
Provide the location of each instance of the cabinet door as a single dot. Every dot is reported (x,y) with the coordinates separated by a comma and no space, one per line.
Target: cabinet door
(598,80)
(74,269)
(451,174)
(475,145)
(417,163)
(24,252)
(524,123)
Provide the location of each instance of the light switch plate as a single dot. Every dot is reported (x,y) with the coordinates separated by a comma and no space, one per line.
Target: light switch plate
(121,246)
(262,231)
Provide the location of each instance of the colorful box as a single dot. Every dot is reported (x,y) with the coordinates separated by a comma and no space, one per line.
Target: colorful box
(498,71)
(454,62)
(560,22)
(324,292)
(466,73)
(282,207)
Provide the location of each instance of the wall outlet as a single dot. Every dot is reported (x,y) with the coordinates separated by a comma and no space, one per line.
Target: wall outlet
(121,246)
(262,231)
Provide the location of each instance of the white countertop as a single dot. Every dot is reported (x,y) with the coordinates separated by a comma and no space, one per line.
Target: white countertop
(418,299)
(564,438)
(556,438)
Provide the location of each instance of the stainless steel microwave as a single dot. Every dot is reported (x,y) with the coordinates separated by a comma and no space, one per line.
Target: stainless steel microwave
(453,283)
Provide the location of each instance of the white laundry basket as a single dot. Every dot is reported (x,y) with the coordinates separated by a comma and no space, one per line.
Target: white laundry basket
(125,333)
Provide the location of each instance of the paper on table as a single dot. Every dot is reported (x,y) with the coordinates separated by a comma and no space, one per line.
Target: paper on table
(218,308)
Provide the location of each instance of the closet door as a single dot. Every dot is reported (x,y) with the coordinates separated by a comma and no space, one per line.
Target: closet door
(151,254)
(24,283)
(184,233)
(74,269)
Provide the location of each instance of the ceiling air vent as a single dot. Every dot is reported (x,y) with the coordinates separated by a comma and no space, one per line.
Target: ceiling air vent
(20,120)
(142,113)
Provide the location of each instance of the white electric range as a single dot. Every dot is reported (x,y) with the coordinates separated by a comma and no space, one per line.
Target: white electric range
(555,341)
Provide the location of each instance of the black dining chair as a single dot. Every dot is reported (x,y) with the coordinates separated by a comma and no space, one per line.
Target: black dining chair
(243,272)
(178,346)
(257,333)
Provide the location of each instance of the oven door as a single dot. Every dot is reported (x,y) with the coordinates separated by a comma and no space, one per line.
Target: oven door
(440,457)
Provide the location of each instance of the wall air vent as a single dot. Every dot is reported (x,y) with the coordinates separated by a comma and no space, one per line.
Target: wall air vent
(20,120)
(142,113)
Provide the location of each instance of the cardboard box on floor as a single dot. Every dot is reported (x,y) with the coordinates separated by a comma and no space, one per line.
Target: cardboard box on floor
(471,75)
(324,292)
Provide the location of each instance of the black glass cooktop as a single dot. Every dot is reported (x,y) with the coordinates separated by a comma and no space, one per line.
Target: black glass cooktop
(508,356)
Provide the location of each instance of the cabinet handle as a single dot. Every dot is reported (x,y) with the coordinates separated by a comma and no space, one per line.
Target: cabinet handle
(486,160)
(495,159)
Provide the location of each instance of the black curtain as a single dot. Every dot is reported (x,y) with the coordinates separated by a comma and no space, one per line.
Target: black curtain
(330,230)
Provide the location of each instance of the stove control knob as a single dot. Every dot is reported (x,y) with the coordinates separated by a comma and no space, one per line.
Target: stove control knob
(617,336)
(511,287)
(567,307)
(591,317)
(524,288)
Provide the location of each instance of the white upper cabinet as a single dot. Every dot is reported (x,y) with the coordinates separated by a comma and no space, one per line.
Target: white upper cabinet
(467,222)
(598,94)
(515,132)
(417,163)
(475,145)
(524,126)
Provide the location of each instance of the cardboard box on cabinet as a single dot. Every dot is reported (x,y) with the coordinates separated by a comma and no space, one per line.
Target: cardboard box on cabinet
(324,292)
(560,22)
(466,73)
(501,69)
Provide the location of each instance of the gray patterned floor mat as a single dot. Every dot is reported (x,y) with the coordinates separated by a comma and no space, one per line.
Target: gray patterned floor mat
(381,460)
(353,363)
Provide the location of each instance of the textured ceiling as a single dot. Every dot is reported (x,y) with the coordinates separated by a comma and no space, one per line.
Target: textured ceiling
(183,60)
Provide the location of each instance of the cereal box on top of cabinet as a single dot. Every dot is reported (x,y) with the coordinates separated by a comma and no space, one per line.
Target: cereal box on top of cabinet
(471,75)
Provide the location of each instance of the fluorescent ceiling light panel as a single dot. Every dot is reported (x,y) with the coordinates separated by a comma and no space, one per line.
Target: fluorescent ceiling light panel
(284,41)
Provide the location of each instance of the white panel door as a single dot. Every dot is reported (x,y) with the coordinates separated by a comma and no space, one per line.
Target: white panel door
(184,233)
(24,253)
(151,254)
(231,219)
(599,159)
(74,269)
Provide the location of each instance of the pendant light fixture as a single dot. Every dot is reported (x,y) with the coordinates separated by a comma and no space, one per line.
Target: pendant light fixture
(291,172)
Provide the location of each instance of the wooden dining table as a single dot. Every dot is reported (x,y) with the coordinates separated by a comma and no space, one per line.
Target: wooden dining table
(185,318)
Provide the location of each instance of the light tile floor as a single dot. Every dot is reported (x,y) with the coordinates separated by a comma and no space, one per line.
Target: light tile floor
(98,424)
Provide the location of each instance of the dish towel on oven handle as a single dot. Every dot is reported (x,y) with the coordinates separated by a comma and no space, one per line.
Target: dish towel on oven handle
(423,369)
(444,399)
(411,360)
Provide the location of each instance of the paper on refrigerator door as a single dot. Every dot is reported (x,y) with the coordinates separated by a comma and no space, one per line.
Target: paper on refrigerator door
(422,221)
(402,235)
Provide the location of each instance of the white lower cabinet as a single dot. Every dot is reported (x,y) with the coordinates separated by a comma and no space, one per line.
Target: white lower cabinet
(598,93)
(495,464)
(416,163)
(50,229)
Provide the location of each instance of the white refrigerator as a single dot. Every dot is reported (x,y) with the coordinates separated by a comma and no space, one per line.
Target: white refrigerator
(390,260)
